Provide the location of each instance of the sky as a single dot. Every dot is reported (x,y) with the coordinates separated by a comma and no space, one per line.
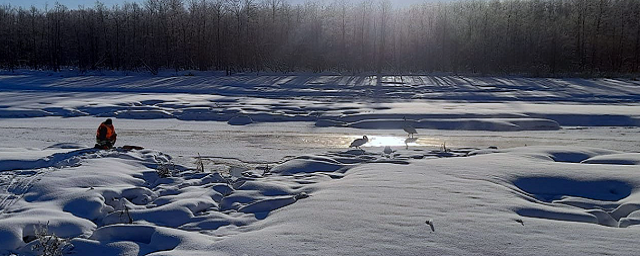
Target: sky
(89,3)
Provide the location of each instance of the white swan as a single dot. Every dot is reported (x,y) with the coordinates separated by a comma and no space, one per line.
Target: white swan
(359,142)
(409,128)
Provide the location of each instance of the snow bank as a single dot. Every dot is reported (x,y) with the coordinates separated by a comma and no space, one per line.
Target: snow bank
(618,159)
(498,203)
(117,196)
(524,105)
(308,164)
(486,124)
(561,154)
(452,88)
(459,201)
(244,111)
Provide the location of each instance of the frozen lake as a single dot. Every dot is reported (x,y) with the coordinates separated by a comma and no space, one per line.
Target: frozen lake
(271,142)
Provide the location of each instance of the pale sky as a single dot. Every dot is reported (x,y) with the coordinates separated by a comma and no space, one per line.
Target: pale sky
(88,3)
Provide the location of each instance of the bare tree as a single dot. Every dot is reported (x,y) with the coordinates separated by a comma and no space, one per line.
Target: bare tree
(542,37)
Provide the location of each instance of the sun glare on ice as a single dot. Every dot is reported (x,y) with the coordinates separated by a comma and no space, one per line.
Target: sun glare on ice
(392,141)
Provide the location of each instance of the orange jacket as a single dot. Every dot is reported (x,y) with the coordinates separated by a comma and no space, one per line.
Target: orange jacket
(106,132)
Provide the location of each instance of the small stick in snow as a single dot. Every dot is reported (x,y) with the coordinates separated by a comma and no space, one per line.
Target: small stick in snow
(520,221)
(430,223)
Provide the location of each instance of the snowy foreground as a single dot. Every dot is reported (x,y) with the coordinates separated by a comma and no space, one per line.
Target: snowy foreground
(512,170)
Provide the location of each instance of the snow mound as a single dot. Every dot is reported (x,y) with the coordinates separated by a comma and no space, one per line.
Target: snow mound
(22,113)
(143,114)
(66,146)
(137,240)
(548,189)
(117,196)
(308,165)
(337,110)
(590,201)
(460,205)
(116,200)
(561,154)
(329,123)
(482,124)
(22,159)
(615,159)
(204,113)
(240,120)
(577,193)
(116,203)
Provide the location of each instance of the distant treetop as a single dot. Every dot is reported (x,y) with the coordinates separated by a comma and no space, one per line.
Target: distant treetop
(510,36)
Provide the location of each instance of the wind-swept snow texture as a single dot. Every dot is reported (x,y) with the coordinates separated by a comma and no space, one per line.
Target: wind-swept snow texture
(368,102)
(460,202)
(358,88)
(109,199)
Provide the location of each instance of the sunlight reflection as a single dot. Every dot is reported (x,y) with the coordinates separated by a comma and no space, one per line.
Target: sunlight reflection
(382,141)
(394,141)
(343,141)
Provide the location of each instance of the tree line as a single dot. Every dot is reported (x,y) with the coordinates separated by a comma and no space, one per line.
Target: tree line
(467,36)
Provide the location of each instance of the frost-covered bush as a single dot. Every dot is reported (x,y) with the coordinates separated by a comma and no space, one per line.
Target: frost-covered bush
(443,148)
(199,164)
(49,244)
(165,168)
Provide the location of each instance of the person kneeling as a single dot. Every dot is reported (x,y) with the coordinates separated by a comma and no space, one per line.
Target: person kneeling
(106,135)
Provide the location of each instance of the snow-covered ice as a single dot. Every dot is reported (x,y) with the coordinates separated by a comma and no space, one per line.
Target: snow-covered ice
(500,166)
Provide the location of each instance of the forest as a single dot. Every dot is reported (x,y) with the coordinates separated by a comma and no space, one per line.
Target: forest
(535,37)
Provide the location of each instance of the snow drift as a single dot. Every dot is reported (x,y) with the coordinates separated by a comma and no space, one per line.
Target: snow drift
(114,202)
